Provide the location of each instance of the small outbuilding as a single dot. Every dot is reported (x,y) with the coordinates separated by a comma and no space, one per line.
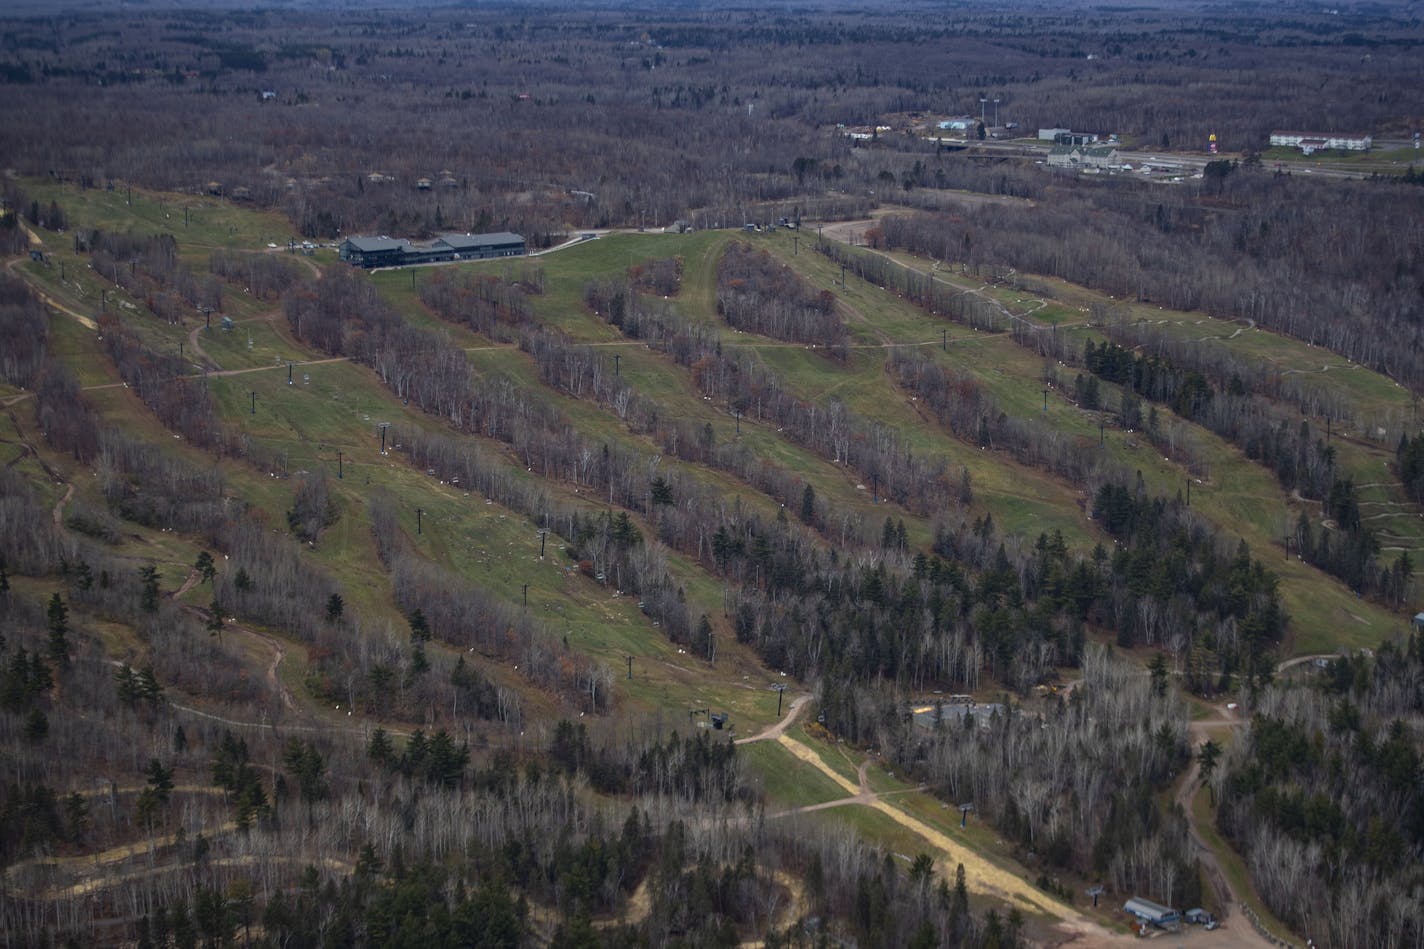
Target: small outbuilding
(1163,917)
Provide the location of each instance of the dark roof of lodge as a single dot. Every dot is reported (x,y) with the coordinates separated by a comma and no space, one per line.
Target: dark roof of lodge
(463,241)
(370,245)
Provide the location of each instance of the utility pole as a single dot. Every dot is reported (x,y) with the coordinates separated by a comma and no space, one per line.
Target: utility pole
(780,691)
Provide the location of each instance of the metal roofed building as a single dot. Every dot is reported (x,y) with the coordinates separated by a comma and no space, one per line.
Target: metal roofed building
(1163,917)
(374,251)
(480,246)
(371,252)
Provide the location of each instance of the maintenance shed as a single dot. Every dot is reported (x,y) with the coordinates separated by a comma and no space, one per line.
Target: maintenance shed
(1163,917)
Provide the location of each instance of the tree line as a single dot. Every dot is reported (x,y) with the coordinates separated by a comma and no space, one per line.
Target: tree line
(757,294)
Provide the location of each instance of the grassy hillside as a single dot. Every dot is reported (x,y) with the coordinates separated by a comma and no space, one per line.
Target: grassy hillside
(350,657)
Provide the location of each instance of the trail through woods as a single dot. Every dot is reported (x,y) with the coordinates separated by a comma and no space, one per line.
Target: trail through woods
(981,875)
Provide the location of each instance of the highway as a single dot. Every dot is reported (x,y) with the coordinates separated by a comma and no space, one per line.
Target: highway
(1187,163)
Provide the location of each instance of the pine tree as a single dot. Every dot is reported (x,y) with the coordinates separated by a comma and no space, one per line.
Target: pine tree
(808,505)
(205,567)
(149,576)
(379,749)
(58,615)
(419,628)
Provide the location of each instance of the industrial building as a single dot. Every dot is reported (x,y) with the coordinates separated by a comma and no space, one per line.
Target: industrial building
(1311,142)
(372,252)
(1067,137)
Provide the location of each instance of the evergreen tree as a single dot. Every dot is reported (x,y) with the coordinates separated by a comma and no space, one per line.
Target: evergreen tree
(205,566)
(58,621)
(148,598)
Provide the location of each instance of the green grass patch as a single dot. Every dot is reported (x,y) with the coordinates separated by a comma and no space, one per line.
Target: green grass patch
(785,780)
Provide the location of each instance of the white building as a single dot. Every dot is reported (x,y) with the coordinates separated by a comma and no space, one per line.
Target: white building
(1099,157)
(1311,142)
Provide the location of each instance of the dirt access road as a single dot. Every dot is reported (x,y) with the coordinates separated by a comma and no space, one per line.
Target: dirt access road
(1066,925)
